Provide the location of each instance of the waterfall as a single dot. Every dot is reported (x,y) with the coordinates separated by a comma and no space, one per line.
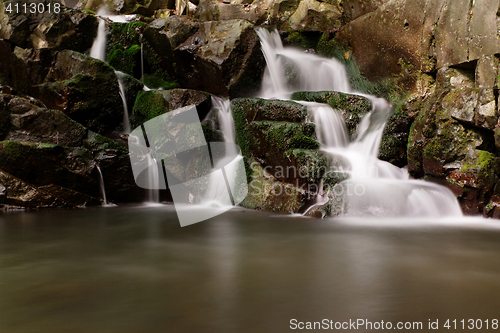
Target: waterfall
(98,49)
(101,183)
(220,183)
(126,122)
(153,180)
(374,187)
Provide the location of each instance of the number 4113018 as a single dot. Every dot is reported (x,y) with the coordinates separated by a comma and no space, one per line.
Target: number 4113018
(471,324)
(32,8)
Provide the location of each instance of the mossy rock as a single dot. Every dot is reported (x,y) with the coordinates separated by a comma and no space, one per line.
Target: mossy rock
(150,104)
(127,60)
(67,167)
(267,193)
(257,109)
(337,100)
(74,86)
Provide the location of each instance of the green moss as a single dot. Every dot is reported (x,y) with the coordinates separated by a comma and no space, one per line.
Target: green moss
(154,82)
(126,60)
(303,39)
(148,105)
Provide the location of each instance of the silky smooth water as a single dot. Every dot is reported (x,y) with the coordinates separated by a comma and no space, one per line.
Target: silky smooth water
(134,269)
(374,188)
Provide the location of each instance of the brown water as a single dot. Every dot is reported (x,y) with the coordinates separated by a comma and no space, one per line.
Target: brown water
(136,270)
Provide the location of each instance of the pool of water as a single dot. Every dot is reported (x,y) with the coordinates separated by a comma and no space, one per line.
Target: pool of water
(134,269)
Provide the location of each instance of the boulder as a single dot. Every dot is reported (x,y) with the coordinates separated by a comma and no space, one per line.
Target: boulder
(13,71)
(67,167)
(66,29)
(74,86)
(163,36)
(15,192)
(267,193)
(353,107)
(150,104)
(222,57)
(213,10)
(313,15)
(273,132)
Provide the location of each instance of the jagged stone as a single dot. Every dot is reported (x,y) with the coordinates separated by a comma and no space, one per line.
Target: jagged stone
(313,15)
(444,148)
(74,86)
(222,57)
(213,10)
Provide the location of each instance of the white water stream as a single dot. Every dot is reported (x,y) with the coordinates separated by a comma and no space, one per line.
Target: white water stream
(374,188)
(126,122)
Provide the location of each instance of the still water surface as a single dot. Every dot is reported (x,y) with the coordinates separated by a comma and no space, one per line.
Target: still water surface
(134,269)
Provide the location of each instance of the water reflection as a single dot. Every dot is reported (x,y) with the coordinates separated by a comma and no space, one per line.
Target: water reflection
(128,269)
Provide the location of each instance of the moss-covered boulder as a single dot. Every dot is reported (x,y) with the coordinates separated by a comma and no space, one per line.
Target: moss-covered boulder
(74,86)
(275,133)
(150,104)
(265,192)
(353,107)
(394,142)
(67,167)
(222,57)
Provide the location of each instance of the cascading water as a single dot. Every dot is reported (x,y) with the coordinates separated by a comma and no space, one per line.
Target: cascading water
(98,50)
(153,181)
(101,184)
(126,122)
(217,189)
(373,187)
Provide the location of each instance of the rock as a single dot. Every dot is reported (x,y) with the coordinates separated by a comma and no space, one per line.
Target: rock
(164,35)
(281,10)
(263,109)
(213,10)
(455,78)
(356,8)
(272,131)
(114,161)
(266,193)
(47,126)
(313,15)
(37,63)
(74,86)
(353,107)
(442,147)
(66,29)
(13,71)
(69,198)
(14,191)
(487,72)
(67,167)
(222,57)
(115,7)
(150,104)
(337,100)
(393,145)
(422,35)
